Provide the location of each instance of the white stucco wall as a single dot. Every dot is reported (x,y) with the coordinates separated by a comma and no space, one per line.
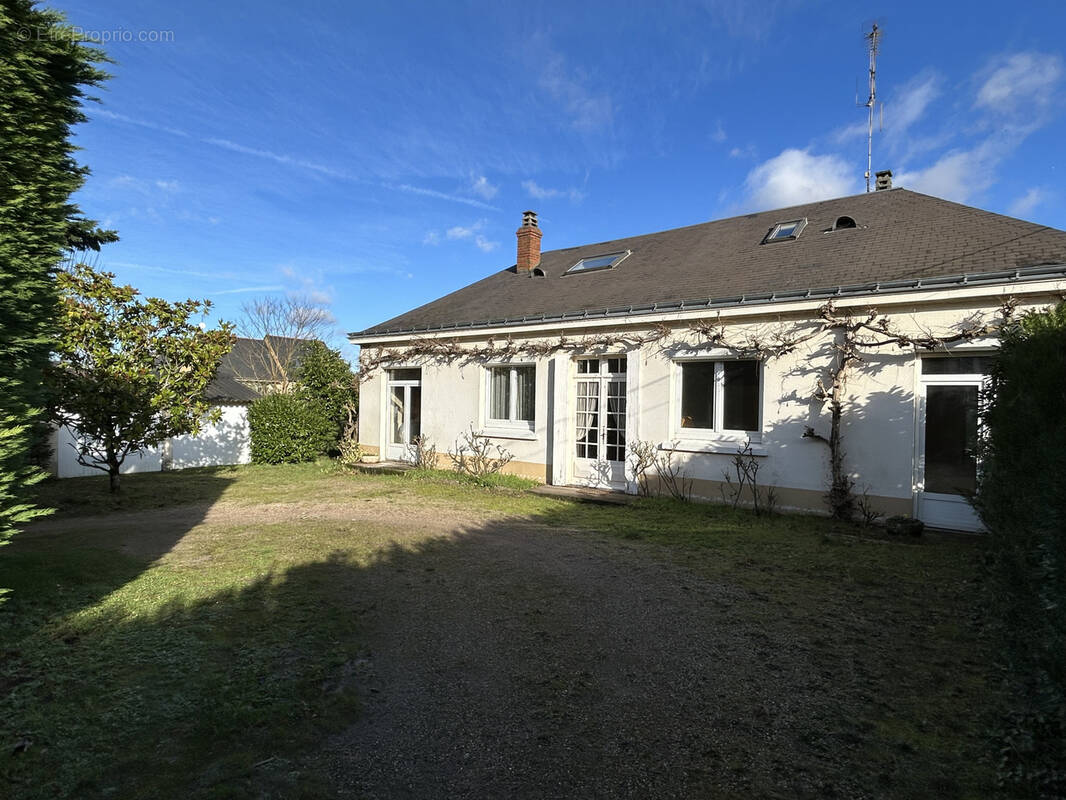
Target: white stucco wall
(222,443)
(66,459)
(218,444)
(879,427)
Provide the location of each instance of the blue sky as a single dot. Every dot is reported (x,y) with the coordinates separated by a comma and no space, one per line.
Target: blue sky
(377,156)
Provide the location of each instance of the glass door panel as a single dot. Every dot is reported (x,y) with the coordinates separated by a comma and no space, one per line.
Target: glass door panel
(397,413)
(950,437)
(588,419)
(414,413)
(615,428)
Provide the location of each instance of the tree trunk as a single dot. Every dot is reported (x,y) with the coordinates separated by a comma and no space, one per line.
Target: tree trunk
(113,470)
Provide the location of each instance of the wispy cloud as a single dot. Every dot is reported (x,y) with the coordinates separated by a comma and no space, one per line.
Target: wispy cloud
(959,174)
(278,158)
(309,284)
(718,135)
(1027,202)
(480,186)
(903,108)
(423,192)
(1020,81)
(473,233)
(1014,95)
(587,110)
(141,123)
(538,192)
(1012,98)
(145,185)
(301,163)
(188,273)
(251,290)
(747,151)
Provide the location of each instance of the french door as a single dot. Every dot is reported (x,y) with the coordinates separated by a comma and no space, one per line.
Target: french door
(405,412)
(600,422)
(949,424)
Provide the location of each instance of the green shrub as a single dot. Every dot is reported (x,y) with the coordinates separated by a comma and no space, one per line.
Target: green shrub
(1022,500)
(288,428)
(326,376)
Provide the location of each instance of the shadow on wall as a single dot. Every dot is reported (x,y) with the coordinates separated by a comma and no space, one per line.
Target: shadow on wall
(226,442)
(877,426)
(65,458)
(485,672)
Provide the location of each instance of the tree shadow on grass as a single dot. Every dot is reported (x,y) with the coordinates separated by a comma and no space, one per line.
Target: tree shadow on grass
(97,542)
(500,659)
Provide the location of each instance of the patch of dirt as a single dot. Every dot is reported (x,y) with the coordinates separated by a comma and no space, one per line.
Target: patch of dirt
(515,660)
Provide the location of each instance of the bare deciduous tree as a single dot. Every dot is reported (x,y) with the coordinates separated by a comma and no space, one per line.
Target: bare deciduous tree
(282,324)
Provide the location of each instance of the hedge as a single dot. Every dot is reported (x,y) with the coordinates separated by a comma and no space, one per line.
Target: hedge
(1022,499)
(288,428)
(325,375)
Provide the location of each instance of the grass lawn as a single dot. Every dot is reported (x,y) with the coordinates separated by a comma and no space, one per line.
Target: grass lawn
(200,641)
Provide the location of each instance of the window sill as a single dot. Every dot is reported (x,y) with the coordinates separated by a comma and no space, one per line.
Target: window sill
(712,446)
(527,434)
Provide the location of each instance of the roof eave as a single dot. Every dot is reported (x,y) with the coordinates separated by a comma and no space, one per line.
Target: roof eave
(878,288)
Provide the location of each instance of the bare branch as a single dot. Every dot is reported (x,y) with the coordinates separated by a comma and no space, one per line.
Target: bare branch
(283,324)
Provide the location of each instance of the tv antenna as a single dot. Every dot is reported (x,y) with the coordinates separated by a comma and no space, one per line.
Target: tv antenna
(873,43)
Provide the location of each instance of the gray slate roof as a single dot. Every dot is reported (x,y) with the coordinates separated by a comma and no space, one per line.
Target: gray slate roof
(246,362)
(900,235)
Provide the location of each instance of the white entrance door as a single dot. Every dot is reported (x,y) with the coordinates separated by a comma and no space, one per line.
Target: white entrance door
(600,422)
(405,411)
(948,427)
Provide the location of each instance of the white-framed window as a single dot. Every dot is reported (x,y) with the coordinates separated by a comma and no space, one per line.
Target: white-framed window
(512,394)
(718,396)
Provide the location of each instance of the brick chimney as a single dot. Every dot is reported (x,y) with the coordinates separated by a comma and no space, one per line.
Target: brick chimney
(884,180)
(528,243)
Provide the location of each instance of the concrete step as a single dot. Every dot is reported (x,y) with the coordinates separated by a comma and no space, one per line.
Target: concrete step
(584,494)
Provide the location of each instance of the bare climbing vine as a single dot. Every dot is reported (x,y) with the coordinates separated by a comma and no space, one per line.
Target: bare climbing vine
(851,338)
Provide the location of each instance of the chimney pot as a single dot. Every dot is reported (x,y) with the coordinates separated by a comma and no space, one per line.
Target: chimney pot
(528,243)
(884,180)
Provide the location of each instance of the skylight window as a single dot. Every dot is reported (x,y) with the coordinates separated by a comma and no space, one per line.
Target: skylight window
(786,231)
(599,262)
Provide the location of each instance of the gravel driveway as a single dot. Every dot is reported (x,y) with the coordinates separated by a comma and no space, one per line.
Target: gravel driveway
(514,660)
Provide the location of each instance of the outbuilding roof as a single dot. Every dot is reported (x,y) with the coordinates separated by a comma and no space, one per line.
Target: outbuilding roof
(248,364)
(897,235)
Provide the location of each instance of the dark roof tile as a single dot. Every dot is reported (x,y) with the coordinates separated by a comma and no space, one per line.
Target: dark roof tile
(900,234)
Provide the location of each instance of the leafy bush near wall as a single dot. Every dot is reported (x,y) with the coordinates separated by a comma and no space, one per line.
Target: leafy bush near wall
(288,428)
(326,376)
(1022,500)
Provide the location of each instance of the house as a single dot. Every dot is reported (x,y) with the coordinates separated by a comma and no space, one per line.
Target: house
(710,338)
(253,367)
